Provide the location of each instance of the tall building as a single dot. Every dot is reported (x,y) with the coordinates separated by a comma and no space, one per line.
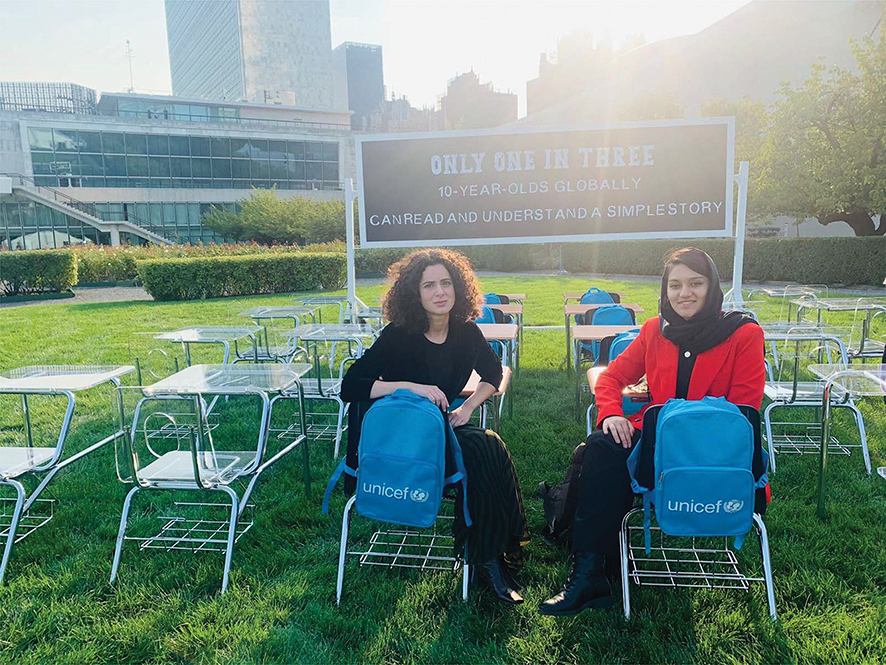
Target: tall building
(251,50)
(398,115)
(52,97)
(359,80)
(148,168)
(577,65)
(469,105)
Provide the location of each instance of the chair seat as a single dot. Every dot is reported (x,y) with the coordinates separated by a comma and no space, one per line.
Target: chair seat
(783,391)
(872,349)
(217,468)
(329,387)
(269,353)
(15,461)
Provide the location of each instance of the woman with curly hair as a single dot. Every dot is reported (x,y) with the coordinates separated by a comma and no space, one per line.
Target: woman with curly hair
(430,347)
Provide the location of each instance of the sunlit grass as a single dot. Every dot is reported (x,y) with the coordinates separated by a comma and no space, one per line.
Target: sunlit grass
(57,604)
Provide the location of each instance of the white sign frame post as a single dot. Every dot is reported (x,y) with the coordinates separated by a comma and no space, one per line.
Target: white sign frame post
(734,295)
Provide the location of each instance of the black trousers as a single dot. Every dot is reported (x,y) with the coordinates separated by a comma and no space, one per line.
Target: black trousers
(605,494)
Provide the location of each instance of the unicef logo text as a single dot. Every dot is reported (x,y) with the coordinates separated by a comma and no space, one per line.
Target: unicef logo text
(692,506)
(418,495)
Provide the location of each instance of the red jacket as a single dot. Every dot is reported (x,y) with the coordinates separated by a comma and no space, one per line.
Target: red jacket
(734,370)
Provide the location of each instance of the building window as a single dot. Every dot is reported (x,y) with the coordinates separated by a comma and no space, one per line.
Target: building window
(66,158)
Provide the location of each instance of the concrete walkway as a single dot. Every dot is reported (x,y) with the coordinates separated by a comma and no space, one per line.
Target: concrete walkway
(91,294)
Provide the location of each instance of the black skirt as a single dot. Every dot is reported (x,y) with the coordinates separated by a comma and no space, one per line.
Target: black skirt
(494,500)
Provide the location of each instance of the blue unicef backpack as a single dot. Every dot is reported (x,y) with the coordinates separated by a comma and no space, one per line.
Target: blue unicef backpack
(402,461)
(703,480)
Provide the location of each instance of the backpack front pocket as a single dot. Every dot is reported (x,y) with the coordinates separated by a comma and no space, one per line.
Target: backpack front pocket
(705,501)
(401,490)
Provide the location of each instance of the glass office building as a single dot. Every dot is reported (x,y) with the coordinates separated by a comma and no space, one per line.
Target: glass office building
(161,164)
(67,156)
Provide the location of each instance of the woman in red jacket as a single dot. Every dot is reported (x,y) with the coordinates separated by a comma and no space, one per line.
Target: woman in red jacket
(692,350)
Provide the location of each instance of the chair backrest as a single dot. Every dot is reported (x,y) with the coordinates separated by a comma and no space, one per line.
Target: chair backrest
(593,296)
(402,460)
(596,296)
(700,463)
(490,315)
(621,342)
(793,356)
(496,299)
(612,315)
(612,346)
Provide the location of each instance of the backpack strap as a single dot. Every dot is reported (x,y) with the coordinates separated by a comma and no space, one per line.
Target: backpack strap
(461,474)
(342,468)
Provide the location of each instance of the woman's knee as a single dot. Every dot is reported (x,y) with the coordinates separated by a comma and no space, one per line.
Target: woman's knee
(600,447)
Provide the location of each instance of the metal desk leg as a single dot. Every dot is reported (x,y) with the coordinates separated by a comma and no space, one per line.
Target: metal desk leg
(576,357)
(16,515)
(27,415)
(306,458)
(825,438)
(568,345)
(187,354)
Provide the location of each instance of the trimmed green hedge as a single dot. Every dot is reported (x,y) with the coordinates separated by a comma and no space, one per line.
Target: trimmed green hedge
(101,264)
(37,271)
(803,260)
(220,276)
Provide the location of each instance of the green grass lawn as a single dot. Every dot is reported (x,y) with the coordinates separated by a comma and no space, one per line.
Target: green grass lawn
(58,606)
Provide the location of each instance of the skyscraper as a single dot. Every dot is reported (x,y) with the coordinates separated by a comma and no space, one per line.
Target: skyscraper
(253,50)
(359,80)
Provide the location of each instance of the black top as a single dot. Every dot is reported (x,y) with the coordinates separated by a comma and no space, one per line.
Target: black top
(685,364)
(399,355)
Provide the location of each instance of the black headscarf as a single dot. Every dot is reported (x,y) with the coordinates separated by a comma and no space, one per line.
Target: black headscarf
(711,326)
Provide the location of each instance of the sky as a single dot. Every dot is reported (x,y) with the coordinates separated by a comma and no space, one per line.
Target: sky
(425,42)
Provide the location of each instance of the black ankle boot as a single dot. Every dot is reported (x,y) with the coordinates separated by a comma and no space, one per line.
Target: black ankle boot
(587,586)
(492,575)
(508,574)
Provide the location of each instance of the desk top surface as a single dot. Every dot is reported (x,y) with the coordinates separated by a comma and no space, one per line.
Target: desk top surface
(596,333)
(210,379)
(499,331)
(474,381)
(209,333)
(331,331)
(59,377)
(857,379)
(284,312)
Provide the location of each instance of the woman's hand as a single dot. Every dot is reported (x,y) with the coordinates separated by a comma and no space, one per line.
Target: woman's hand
(621,430)
(432,393)
(461,416)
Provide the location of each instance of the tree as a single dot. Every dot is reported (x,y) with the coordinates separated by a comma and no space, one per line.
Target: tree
(824,154)
(270,220)
(751,120)
(226,224)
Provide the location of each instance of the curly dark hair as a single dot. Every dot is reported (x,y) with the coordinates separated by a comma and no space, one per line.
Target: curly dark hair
(402,304)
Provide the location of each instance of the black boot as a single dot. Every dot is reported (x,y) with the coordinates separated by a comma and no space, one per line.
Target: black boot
(508,574)
(492,575)
(587,586)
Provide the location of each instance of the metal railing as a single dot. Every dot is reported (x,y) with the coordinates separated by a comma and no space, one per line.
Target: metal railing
(76,204)
(267,122)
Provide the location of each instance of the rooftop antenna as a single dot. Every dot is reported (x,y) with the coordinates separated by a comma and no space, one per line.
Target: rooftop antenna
(128,55)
